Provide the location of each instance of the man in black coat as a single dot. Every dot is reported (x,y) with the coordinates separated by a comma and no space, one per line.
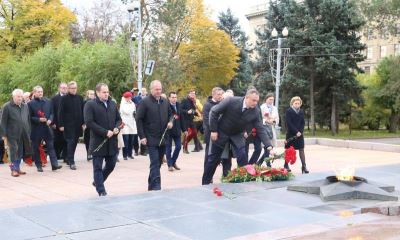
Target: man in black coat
(228,122)
(153,117)
(60,145)
(103,119)
(70,117)
(214,99)
(175,132)
(41,113)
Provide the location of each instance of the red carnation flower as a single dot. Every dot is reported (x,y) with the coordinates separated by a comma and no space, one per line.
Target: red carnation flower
(41,114)
(290,155)
(251,170)
(254,132)
(266,114)
(121,126)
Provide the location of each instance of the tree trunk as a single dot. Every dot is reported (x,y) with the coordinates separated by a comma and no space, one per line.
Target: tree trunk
(312,104)
(394,121)
(333,116)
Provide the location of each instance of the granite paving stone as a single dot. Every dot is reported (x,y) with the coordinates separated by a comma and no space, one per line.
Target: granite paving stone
(153,208)
(15,227)
(212,225)
(72,217)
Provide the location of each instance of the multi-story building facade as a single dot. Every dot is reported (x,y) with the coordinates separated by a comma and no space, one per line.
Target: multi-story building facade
(257,21)
(379,43)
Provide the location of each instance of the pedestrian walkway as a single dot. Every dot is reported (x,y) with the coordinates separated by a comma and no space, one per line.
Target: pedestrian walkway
(130,177)
(245,211)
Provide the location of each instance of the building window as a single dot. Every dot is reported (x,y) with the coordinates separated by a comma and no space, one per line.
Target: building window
(367,70)
(370,53)
(383,51)
(397,49)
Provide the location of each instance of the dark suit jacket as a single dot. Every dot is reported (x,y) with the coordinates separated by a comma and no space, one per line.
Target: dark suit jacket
(152,117)
(99,120)
(206,118)
(179,123)
(40,129)
(186,105)
(55,103)
(228,119)
(70,115)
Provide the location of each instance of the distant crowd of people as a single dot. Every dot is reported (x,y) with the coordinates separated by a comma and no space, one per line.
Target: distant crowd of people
(34,128)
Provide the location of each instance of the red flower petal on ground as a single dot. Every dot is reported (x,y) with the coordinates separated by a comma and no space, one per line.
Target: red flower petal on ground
(251,170)
(216,189)
(219,193)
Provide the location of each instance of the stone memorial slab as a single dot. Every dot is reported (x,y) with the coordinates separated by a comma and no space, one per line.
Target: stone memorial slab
(128,232)
(153,208)
(212,225)
(72,217)
(17,227)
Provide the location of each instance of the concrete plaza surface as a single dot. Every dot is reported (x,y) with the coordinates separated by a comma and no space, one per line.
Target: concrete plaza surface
(64,205)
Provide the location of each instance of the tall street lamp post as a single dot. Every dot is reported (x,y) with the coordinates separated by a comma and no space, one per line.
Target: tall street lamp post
(278,59)
(134,9)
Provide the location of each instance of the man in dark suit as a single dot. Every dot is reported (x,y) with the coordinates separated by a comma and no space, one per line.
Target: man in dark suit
(175,132)
(214,99)
(228,122)
(60,145)
(41,113)
(103,119)
(153,116)
(70,115)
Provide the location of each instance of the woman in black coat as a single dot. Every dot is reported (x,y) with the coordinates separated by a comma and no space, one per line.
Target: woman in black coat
(295,127)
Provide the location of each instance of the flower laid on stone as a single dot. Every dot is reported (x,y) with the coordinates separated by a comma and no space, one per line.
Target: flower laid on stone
(217,191)
(257,173)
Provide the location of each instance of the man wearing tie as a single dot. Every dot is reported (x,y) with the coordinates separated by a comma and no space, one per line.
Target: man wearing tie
(228,122)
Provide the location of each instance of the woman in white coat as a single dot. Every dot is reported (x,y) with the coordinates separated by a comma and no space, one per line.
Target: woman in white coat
(270,120)
(129,132)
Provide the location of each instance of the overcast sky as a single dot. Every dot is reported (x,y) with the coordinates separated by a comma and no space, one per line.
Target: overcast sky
(239,7)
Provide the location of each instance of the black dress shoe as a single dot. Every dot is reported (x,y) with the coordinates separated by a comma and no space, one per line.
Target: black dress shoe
(304,170)
(131,157)
(56,168)
(40,169)
(94,184)
(102,194)
(176,167)
(72,166)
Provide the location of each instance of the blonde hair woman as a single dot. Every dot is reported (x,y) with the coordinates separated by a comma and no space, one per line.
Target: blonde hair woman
(295,128)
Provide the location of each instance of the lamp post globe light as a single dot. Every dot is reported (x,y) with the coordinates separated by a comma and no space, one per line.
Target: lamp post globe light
(278,60)
(134,9)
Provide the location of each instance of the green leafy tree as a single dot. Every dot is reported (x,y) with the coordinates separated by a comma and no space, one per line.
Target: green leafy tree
(386,91)
(324,49)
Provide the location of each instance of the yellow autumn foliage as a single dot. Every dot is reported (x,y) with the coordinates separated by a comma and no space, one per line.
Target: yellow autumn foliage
(27,25)
(209,58)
